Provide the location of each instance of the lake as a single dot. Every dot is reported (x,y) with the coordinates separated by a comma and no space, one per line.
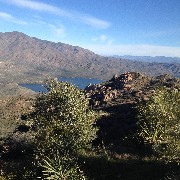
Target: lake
(79,82)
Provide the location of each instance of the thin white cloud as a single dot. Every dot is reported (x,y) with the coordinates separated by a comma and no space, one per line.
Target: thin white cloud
(58,31)
(98,23)
(39,6)
(110,42)
(40,22)
(10,18)
(103,39)
(136,50)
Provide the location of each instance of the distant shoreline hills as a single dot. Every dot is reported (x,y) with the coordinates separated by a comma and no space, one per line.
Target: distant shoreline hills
(28,59)
(158,59)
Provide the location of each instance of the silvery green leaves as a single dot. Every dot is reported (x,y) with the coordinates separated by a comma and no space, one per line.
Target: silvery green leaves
(63,122)
(159,123)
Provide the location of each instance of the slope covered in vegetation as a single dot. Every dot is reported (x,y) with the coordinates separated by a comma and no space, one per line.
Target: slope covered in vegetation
(120,150)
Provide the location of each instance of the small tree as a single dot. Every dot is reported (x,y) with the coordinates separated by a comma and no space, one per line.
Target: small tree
(159,123)
(64,125)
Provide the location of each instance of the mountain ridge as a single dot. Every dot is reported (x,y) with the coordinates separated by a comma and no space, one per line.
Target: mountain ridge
(29,59)
(159,59)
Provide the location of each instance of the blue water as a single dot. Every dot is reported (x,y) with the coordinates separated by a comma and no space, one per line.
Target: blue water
(35,87)
(78,82)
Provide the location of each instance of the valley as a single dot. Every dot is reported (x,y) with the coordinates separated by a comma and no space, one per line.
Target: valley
(27,62)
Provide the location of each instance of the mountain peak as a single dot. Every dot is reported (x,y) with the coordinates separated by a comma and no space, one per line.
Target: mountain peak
(30,59)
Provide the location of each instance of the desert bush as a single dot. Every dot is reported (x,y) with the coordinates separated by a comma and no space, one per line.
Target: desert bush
(64,125)
(62,167)
(159,124)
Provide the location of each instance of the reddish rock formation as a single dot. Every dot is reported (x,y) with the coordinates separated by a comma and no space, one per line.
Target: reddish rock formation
(116,99)
(127,87)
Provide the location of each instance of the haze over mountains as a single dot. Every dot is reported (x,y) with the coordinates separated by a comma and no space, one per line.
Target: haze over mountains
(28,59)
(158,59)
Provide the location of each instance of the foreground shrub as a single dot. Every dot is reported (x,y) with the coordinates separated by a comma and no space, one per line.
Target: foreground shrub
(64,125)
(159,124)
(60,167)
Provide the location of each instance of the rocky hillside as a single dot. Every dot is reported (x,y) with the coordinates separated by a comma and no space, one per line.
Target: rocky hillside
(27,59)
(114,100)
(130,87)
(117,98)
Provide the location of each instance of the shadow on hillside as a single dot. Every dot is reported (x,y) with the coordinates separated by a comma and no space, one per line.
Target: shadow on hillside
(19,168)
(99,168)
(131,160)
(117,129)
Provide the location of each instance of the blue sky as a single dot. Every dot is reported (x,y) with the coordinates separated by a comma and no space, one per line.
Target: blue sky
(107,27)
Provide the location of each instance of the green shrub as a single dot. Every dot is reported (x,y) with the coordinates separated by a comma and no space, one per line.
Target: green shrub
(159,124)
(64,125)
(60,167)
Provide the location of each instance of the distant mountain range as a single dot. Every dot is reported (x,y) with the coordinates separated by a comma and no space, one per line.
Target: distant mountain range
(159,59)
(28,59)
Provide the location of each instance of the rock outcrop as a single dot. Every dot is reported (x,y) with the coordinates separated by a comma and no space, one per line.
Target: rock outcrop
(117,98)
(128,87)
